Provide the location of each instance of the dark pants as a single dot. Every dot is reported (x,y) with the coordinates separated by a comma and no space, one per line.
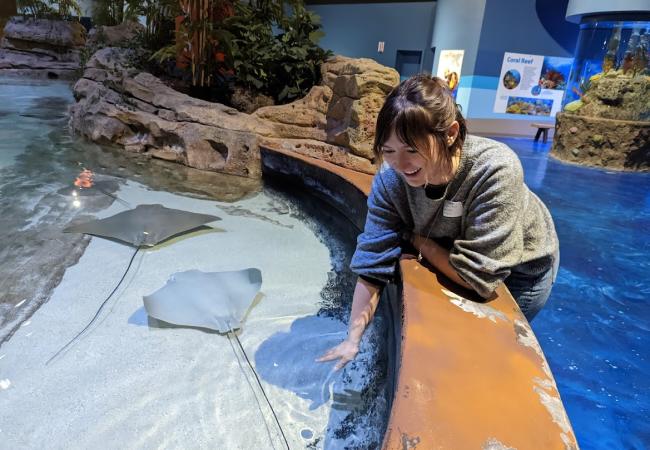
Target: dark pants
(531,291)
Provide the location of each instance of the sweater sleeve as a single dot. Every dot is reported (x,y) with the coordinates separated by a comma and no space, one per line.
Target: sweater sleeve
(378,247)
(492,239)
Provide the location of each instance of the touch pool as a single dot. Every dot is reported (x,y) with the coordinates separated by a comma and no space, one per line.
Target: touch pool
(137,382)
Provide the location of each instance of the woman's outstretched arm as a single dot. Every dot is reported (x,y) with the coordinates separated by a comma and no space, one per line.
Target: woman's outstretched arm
(364,304)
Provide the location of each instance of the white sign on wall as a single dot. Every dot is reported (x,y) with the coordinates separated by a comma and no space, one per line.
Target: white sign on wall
(532,84)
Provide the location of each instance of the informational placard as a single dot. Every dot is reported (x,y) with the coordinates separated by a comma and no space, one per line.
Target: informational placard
(449,65)
(532,84)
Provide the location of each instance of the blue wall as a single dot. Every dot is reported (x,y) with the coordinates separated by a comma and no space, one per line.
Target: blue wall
(515,26)
(524,26)
(457,26)
(355,29)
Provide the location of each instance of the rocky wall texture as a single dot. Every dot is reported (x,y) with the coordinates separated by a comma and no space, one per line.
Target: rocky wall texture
(342,111)
(598,142)
(334,122)
(42,47)
(116,36)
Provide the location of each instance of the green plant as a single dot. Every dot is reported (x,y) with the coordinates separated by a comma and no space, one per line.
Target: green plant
(67,8)
(34,8)
(200,40)
(300,57)
(284,66)
(158,22)
(55,9)
(224,41)
(253,48)
(111,12)
(138,56)
(159,18)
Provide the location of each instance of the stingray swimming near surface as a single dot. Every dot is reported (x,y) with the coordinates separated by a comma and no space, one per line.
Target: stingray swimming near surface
(145,225)
(215,300)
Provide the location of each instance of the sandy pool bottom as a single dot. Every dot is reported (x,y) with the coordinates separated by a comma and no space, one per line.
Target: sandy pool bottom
(132,383)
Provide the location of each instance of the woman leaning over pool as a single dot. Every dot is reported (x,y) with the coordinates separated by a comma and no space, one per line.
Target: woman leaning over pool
(461,202)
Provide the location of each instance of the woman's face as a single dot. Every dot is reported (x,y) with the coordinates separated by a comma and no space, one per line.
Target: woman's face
(406,161)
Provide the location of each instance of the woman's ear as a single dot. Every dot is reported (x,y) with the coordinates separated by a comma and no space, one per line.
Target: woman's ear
(452,132)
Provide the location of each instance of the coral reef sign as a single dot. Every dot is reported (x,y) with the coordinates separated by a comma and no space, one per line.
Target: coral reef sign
(532,84)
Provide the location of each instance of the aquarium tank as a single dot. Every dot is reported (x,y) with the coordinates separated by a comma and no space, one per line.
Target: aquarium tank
(610,76)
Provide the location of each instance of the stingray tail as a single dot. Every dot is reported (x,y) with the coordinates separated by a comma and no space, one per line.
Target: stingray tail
(259,382)
(123,202)
(62,349)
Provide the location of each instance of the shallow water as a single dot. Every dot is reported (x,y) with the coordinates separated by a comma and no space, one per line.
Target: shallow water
(130,381)
(595,327)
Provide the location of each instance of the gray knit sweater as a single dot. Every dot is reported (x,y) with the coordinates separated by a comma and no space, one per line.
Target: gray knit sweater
(487,217)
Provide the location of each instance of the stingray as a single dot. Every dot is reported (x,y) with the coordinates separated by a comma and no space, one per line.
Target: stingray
(214,300)
(143,226)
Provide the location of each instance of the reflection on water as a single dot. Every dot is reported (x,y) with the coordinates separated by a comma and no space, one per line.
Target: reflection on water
(595,327)
(21,120)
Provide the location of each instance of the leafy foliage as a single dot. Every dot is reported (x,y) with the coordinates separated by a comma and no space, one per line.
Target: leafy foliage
(159,20)
(285,65)
(300,56)
(111,12)
(139,57)
(200,40)
(50,9)
(159,24)
(254,50)
(34,8)
(158,17)
(253,44)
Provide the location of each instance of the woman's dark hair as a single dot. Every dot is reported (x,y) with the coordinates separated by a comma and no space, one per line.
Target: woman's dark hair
(420,107)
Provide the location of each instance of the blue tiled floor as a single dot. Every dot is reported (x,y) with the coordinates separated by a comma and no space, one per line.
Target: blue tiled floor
(595,327)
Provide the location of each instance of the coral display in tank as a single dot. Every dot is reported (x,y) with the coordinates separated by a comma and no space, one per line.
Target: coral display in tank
(606,109)
(610,80)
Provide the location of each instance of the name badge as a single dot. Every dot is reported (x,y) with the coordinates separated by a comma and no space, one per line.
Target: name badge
(452,209)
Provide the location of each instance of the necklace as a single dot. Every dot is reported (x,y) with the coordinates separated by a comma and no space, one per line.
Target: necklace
(455,164)
(419,258)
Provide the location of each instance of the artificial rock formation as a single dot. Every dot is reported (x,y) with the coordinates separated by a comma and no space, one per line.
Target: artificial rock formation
(334,122)
(359,87)
(118,105)
(116,36)
(341,111)
(609,126)
(610,143)
(41,47)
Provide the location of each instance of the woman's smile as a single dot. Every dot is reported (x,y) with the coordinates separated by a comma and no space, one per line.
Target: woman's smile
(411,174)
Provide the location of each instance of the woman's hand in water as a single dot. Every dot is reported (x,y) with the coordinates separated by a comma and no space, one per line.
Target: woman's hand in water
(344,352)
